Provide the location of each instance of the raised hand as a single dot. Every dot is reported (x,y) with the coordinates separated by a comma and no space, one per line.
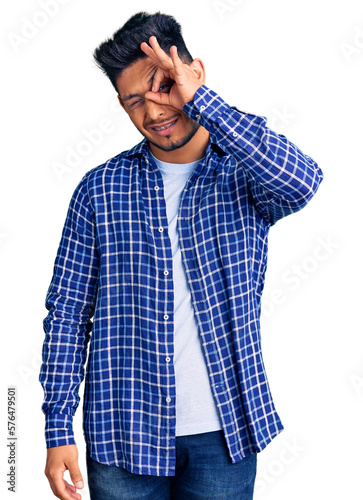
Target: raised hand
(187,79)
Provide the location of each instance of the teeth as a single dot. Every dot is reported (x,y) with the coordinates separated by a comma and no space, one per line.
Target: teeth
(166,126)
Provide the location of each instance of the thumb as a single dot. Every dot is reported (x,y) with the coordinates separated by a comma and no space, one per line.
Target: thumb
(76,475)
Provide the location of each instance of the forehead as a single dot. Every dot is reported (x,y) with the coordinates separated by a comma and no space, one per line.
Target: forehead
(136,77)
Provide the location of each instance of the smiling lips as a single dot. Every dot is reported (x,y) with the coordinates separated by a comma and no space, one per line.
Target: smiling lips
(165,127)
(162,130)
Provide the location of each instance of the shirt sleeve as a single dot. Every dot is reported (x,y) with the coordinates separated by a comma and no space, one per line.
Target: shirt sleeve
(281,178)
(70,300)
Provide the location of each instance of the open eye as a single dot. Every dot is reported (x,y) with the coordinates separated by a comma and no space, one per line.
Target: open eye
(165,87)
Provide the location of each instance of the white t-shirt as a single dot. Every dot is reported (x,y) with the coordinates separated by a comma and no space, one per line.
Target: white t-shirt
(196,411)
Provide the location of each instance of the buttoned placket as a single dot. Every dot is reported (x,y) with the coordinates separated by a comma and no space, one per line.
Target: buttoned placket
(203,317)
(166,265)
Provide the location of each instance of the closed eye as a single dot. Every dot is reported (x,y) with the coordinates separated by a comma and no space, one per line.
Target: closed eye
(133,103)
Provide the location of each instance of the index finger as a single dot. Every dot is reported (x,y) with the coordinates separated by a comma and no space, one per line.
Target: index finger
(61,488)
(156,53)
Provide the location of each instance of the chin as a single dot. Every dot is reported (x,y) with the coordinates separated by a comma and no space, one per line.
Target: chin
(171,144)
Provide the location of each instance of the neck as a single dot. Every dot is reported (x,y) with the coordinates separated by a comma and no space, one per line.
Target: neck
(192,151)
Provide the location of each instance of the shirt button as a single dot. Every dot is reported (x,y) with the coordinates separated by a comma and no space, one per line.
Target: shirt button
(168,399)
(161,229)
(219,387)
(167,359)
(166,272)
(198,116)
(166,316)
(202,108)
(235,134)
(156,188)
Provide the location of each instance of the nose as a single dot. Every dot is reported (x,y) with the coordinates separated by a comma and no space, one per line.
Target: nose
(153,110)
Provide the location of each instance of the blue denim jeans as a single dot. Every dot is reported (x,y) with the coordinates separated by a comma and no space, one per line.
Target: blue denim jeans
(204,471)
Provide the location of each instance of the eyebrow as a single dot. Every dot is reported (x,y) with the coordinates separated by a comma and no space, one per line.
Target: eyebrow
(130,96)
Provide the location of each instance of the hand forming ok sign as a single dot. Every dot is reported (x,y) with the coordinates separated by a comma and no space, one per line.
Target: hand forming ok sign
(187,78)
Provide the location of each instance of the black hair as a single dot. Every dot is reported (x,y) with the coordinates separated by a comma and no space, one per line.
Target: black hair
(117,53)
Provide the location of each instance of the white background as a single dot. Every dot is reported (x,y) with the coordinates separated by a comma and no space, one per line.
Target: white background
(299,63)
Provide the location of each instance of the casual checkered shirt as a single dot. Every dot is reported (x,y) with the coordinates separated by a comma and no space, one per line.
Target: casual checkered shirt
(114,264)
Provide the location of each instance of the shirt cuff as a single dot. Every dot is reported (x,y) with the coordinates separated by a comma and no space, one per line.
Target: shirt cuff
(58,430)
(206,105)
(223,121)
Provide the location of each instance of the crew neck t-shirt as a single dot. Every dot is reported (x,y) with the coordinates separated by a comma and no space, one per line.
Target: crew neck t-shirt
(196,410)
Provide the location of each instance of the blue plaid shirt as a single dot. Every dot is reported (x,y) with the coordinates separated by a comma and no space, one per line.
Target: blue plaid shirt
(114,265)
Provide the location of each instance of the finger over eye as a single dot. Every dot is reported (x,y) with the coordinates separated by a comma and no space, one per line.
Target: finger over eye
(159,76)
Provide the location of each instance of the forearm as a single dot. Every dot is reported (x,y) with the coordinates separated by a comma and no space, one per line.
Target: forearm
(287,176)
(62,371)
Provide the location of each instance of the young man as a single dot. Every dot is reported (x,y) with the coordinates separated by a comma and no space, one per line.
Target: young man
(165,245)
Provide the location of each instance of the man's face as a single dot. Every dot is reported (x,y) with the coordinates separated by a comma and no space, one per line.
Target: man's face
(149,117)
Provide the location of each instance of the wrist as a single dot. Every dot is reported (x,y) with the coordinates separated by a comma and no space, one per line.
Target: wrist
(191,95)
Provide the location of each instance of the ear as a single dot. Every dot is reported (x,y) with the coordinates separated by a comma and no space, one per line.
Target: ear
(199,69)
(120,101)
